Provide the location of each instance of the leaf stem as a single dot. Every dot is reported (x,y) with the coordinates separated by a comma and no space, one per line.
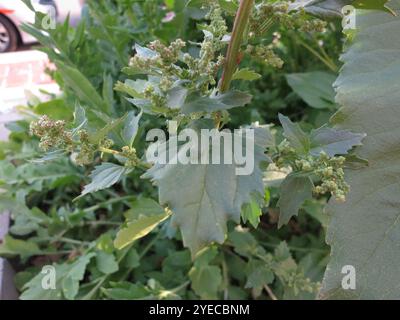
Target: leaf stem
(239,27)
(270,292)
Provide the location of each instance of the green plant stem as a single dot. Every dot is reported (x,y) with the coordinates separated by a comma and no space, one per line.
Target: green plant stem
(239,27)
(326,60)
(270,292)
(111,201)
(225,276)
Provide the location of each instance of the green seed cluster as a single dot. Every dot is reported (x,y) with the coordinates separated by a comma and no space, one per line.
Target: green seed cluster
(52,133)
(266,14)
(130,154)
(266,54)
(87,150)
(329,171)
(298,282)
(171,64)
(326,172)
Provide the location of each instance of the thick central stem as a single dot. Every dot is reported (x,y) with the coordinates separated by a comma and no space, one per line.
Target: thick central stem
(239,27)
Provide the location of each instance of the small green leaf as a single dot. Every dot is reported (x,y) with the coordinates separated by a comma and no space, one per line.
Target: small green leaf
(295,135)
(132,259)
(143,206)
(258,274)
(144,52)
(55,109)
(138,229)
(108,92)
(14,247)
(206,279)
(104,176)
(176,97)
(131,126)
(252,212)
(134,88)
(333,141)
(106,262)
(105,131)
(246,74)
(294,191)
(224,101)
(75,273)
(229,6)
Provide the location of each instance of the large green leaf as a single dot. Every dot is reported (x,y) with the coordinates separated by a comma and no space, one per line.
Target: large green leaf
(204,196)
(315,88)
(364,232)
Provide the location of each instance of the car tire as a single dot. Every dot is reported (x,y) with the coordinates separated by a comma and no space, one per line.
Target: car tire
(9,36)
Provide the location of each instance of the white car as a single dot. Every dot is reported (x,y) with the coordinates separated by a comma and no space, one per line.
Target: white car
(13,13)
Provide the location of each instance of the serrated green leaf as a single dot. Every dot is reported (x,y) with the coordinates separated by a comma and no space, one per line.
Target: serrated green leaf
(333,141)
(258,274)
(104,176)
(252,212)
(205,278)
(246,74)
(14,247)
(67,279)
(294,191)
(364,231)
(208,194)
(243,242)
(106,130)
(224,101)
(295,135)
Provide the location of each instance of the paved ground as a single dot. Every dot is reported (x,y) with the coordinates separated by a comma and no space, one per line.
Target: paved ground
(21,74)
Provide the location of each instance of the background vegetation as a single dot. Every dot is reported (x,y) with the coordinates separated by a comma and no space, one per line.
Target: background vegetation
(51,226)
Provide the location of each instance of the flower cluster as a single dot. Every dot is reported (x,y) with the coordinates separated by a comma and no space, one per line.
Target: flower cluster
(329,170)
(52,133)
(169,64)
(326,172)
(266,54)
(87,150)
(130,154)
(266,14)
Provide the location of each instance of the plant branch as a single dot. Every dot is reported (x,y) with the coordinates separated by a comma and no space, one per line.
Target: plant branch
(270,293)
(239,27)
